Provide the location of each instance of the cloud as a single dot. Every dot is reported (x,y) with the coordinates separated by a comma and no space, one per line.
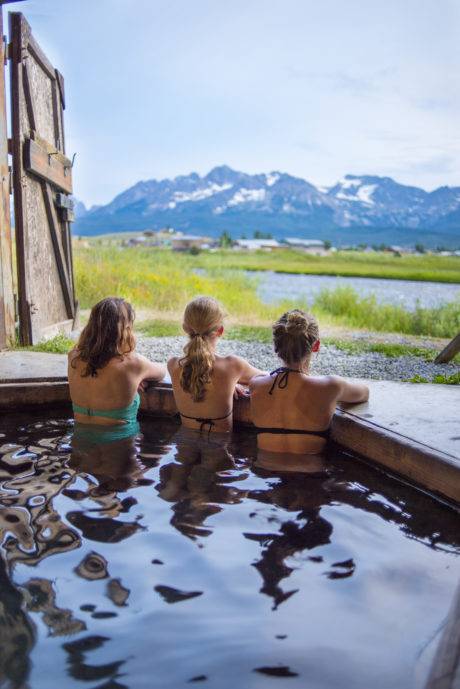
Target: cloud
(354,84)
(435,104)
(441,164)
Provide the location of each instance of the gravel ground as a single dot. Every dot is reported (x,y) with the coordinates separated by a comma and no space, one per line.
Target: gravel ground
(330,360)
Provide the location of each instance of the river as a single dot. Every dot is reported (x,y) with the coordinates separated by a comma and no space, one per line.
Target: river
(406,293)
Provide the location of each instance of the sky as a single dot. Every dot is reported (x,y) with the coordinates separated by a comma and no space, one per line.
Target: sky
(160,88)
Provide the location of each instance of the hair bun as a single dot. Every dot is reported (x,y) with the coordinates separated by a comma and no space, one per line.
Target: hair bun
(296,322)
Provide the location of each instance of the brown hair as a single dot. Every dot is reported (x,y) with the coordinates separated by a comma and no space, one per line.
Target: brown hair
(294,335)
(202,317)
(108,334)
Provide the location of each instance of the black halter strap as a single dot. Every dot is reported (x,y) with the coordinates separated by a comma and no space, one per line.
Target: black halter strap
(281,377)
(206,421)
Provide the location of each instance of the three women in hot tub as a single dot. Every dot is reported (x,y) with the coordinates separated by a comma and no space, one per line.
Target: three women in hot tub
(291,409)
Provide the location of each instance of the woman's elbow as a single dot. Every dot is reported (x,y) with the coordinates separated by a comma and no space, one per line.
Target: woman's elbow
(364,394)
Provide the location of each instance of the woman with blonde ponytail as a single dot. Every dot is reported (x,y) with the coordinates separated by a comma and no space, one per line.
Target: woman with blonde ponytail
(204,383)
(292,409)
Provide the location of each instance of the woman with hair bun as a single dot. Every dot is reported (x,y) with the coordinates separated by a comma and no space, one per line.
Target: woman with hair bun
(204,383)
(292,409)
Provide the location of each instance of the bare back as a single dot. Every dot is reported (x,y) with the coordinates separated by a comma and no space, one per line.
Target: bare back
(305,403)
(218,399)
(114,387)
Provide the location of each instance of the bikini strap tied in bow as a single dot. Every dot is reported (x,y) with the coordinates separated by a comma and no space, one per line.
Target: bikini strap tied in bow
(281,377)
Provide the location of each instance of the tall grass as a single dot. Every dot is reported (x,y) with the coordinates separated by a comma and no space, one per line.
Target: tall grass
(426,267)
(347,308)
(159,280)
(163,282)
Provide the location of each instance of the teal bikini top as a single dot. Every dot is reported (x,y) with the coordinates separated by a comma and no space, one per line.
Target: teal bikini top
(128,414)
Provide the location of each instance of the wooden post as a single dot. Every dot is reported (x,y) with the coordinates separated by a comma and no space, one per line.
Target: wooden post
(449,352)
(7,317)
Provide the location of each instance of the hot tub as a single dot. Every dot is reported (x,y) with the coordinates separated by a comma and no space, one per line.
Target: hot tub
(164,559)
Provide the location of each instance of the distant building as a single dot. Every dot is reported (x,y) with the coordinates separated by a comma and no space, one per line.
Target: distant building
(189,241)
(135,241)
(398,250)
(254,244)
(309,246)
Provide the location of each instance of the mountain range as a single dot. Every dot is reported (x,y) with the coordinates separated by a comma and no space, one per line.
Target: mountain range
(363,208)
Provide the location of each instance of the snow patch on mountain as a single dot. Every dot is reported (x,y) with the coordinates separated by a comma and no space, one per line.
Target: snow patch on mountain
(362,194)
(200,194)
(271,178)
(247,195)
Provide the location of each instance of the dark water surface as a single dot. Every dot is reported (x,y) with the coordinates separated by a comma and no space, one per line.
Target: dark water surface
(172,561)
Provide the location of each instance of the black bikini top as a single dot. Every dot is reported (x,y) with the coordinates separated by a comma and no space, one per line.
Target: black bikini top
(281,380)
(206,421)
(281,377)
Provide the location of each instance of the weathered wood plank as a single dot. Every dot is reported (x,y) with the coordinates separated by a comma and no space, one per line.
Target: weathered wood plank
(28,97)
(7,319)
(60,256)
(425,466)
(53,167)
(32,395)
(60,82)
(20,219)
(40,57)
(45,271)
(448,353)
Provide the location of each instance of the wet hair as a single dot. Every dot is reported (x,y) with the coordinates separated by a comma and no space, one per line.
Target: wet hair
(108,334)
(294,335)
(202,317)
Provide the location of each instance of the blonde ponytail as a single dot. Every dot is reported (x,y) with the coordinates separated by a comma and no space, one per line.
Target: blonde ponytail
(202,317)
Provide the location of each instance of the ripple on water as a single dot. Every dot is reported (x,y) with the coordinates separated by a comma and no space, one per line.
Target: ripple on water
(166,558)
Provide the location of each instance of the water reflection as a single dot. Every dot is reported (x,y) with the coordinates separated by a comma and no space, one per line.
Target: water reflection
(17,634)
(198,480)
(59,494)
(80,669)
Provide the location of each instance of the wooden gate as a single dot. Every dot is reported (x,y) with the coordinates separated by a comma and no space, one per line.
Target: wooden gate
(7,315)
(42,182)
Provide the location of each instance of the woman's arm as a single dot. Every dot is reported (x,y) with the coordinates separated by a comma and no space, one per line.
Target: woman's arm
(245,371)
(347,391)
(150,370)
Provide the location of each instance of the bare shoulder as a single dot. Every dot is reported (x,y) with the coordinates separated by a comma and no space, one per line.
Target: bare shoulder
(173,363)
(135,361)
(72,355)
(259,381)
(234,361)
(335,382)
(332,385)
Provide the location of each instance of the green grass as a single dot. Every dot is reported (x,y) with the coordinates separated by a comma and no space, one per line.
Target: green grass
(60,344)
(159,328)
(439,379)
(250,333)
(427,267)
(163,282)
(347,308)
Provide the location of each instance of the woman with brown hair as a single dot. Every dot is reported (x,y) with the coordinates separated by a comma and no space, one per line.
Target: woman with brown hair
(105,371)
(204,383)
(292,409)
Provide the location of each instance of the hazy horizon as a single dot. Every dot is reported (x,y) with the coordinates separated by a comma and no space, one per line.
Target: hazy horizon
(155,89)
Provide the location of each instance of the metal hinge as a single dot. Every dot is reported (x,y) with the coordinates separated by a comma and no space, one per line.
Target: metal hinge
(7,50)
